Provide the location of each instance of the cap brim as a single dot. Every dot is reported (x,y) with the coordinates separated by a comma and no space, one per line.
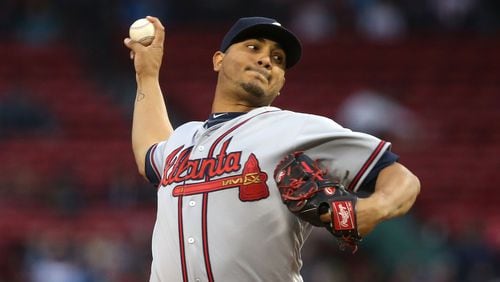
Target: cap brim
(285,38)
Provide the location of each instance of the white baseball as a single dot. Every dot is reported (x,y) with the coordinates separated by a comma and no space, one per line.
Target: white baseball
(142,31)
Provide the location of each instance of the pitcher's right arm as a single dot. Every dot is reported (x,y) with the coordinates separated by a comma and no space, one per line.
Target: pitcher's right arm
(150,122)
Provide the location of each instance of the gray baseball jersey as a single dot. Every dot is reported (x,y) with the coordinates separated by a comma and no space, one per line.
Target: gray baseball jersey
(220,216)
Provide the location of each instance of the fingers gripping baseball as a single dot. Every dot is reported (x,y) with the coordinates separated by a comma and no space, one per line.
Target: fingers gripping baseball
(148,59)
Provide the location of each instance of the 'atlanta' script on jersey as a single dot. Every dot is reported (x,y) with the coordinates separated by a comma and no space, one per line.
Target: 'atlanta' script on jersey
(251,182)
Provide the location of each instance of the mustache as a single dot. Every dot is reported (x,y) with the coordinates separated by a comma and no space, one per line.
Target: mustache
(265,73)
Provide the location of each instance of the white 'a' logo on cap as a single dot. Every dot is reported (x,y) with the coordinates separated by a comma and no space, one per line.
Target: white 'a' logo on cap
(277,23)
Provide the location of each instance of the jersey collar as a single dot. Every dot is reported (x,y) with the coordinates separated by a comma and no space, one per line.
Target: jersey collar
(216,118)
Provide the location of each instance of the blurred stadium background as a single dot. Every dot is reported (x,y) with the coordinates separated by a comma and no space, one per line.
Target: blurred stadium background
(72,207)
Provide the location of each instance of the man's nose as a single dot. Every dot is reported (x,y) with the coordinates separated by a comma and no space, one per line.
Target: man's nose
(265,61)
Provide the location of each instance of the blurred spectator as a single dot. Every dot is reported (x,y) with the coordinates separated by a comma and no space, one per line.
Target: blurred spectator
(380,114)
(60,253)
(476,260)
(65,194)
(50,257)
(21,186)
(20,116)
(313,21)
(405,251)
(39,22)
(382,21)
(132,10)
(454,15)
(323,261)
(107,257)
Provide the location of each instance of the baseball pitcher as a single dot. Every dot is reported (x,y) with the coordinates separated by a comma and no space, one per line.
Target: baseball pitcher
(239,193)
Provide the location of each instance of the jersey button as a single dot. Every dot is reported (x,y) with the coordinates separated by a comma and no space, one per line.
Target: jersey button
(190,240)
(201,148)
(192,203)
(197,280)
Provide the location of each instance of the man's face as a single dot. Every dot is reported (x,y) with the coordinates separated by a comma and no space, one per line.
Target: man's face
(255,65)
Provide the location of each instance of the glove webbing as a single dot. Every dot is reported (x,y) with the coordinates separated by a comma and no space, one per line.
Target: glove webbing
(316,174)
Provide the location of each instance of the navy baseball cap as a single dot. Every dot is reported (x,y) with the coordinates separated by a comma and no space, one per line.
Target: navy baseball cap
(260,27)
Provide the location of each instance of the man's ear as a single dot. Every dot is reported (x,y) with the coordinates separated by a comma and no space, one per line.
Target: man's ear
(217,60)
(282,84)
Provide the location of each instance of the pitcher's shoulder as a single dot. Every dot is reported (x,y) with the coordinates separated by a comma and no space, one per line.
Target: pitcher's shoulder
(300,117)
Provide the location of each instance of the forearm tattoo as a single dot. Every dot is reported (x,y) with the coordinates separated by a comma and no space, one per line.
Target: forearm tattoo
(140,96)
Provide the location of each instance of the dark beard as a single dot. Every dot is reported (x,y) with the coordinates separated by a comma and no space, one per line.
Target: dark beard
(253,90)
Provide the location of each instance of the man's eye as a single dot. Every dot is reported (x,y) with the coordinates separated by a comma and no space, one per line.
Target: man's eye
(278,58)
(253,47)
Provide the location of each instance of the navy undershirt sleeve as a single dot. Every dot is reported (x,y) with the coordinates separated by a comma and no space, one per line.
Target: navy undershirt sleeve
(368,185)
(150,171)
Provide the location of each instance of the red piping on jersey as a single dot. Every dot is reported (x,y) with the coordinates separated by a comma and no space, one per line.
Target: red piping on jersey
(181,240)
(204,228)
(205,199)
(367,164)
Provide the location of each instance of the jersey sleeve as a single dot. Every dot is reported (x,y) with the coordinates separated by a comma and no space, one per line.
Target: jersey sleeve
(347,156)
(154,163)
(158,154)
